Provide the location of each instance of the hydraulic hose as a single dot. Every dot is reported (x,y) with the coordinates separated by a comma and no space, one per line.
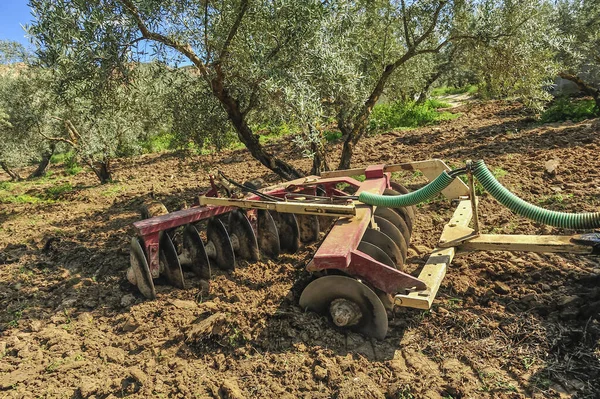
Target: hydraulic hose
(421,195)
(575,221)
(565,220)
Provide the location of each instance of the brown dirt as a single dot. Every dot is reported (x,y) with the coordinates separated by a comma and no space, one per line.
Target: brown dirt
(505,325)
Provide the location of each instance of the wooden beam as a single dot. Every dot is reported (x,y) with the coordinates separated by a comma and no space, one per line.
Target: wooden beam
(524,243)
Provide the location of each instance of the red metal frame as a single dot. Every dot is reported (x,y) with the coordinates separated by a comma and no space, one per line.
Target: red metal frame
(337,251)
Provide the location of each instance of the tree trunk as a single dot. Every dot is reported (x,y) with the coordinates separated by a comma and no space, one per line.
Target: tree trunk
(101,169)
(361,120)
(319,160)
(425,91)
(238,119)
(43,166)
(13,175)
(584,87)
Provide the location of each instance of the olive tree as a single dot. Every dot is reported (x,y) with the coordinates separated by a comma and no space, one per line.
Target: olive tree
(579,21)
(234,46)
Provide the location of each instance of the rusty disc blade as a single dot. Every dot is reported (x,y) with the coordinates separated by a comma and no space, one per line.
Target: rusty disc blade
(404,212)
(141,271)
(267,234)
(319,294)
(397,220)
(385,243)
(240,226)
(170,262)
(289,232)
(392,231)
(403,190)
(217,234)
(309,227)
(376,253)
(194,251)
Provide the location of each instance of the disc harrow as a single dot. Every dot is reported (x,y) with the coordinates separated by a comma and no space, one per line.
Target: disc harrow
(364,228)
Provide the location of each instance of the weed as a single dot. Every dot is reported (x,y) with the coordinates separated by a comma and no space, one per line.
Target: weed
(359,177)
(499,173)
(19,199)
(331,135)
(17,315)
(113,190)
(527,362)
(56,191)
(407,115)
(446,90)
(565,109)
(6,185)
(160,143)
(53,366)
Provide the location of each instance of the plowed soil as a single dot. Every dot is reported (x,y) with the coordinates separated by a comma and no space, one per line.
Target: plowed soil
(504,325)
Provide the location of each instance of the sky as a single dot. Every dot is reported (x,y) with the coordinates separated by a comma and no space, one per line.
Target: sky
(13,14)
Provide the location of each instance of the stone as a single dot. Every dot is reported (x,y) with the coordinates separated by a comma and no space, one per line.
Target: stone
(127,300)
(87,388)
(501,288)
(112,354)
(230,390)
(130,325)
(138,375)
(36,325)
(320,373)
(181,304)
(567,300)
(551,166)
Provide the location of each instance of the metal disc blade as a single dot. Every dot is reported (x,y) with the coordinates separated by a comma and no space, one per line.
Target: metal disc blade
(141,271)
(403,190)
(319,294)
(392,231)
(384,242)
(194,251)
(240,226)
(151,208)
(404,212)
(170,261)
(217,234)
(267,234)
(376,253)
(289,232)
(397,220)
(309,227)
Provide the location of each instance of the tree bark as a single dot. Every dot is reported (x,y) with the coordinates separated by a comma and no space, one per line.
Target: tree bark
(102,169)
(238,119)
(319,159)
(43,165)
(13,175)
(584,87)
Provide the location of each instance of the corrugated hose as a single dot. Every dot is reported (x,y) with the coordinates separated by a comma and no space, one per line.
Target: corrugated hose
(565,220)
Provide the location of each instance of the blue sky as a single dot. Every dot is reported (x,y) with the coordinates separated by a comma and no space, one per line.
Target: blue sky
(13,14)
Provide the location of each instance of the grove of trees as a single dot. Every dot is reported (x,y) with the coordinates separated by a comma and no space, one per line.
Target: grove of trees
(106,76)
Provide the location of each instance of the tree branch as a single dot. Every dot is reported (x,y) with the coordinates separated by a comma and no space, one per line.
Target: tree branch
(185,49)
(234,29)
(405,24)
(434,22)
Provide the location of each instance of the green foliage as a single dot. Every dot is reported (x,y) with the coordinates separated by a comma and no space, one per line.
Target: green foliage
(332,135)
(161,142)
(448,90)
(408,115)
(56,192)
(569,109)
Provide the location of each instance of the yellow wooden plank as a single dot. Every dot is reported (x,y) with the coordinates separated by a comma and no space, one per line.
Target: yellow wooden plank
(525,243)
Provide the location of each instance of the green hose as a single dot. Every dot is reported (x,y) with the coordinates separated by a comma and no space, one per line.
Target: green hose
(575,221)
(396,201)
(552,218)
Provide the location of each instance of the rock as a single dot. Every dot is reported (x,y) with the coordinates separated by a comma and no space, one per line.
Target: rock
(35,326)
(2,348)
(212,325)
(501,288)
(545,287)
(87,387)
(127,300)
(180,304)
(320,373)
(569,314)
(68,303)
(551,166)
(230,390)
(130,325)
(115,355)
(567,300)
(138,375)
(85,317)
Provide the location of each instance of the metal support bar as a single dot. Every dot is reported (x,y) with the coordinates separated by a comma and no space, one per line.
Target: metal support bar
(524,243)
(431,168)
(302,208)
(434,270)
